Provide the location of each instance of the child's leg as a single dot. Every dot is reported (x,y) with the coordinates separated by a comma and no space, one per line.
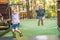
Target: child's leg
(42,21)
(13,30)
(20,33)
(38,22)
(14,35)
(17,30)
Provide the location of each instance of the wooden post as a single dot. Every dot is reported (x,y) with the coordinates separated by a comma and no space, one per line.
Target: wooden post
(58,14)
(27,7)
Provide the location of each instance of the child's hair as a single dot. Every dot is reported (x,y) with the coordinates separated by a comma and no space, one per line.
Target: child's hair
(14,11)
(40,5)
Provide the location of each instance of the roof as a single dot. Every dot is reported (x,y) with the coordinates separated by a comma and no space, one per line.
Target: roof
(4,1)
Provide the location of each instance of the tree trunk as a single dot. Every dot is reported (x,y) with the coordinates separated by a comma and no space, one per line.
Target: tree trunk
(27,7)
(58,14)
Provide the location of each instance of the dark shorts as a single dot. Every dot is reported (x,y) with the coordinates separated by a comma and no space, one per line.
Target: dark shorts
(39,17)
(15,27)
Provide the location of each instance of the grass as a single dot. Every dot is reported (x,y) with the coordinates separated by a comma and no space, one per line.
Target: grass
(30,28)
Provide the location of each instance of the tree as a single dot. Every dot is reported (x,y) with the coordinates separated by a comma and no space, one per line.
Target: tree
(27,7)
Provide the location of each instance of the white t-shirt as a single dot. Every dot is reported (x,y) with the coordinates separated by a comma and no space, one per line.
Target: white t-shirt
(15,18)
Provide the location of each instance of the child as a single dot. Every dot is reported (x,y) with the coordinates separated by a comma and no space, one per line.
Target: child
(15,23)
(40,14)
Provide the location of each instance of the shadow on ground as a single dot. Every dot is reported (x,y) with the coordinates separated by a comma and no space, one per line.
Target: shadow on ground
(6,38)
(40,37)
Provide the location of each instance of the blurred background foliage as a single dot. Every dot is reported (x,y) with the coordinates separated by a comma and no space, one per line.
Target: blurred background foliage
(31,5)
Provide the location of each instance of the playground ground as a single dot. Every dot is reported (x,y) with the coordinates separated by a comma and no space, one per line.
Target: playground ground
(31,31)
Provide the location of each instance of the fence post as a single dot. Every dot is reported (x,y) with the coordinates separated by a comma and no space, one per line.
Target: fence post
(58,14)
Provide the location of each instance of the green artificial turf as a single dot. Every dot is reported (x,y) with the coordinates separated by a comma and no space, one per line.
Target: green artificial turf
(30,28)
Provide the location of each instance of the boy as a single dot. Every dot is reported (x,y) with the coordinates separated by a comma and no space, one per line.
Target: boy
(40,14)
(15,23)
